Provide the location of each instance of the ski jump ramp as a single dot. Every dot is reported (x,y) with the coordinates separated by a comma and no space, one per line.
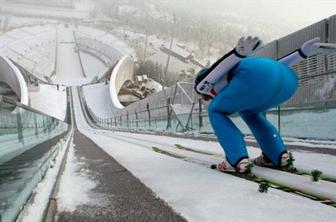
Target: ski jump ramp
(103,99)
(12,76)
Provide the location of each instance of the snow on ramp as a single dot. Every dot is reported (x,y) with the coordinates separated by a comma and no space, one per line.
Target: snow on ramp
(50,100)
(199,193)
(98,99)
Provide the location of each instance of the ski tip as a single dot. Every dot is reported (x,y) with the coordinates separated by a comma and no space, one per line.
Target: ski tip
(213,166)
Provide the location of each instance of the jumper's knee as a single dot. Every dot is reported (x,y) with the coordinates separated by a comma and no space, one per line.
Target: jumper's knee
(213,108)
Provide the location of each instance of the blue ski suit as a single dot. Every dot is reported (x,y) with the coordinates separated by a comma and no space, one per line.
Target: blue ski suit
(255,85)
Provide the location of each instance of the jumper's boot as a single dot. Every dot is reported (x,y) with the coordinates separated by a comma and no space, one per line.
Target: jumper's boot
(286,161)
(243,166)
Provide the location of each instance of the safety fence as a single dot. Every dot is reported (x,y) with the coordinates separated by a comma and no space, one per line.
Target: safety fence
(315,121)
(29,141)
(317,74)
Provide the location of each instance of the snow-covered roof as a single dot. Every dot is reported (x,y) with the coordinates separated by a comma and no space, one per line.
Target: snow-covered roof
(152,84)
(175,65)
(177,49)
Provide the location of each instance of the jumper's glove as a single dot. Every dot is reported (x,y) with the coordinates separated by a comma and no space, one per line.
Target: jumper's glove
(314,46)
(246,46)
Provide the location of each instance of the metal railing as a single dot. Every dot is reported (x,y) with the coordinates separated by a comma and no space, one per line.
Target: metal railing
(184,111)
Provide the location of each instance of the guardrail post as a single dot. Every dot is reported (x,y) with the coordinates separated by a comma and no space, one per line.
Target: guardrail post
(115,121)
(35,123)
(200,121)
(44,126)
(49,125)
(136,119)
(149,115)
(168,114)
(121,121)
(1,101)
(127,120)
(19,127)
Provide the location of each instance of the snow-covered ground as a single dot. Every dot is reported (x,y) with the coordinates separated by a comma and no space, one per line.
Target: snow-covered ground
(69,70)
(15,22)
(84,5)
(197,192)
(49,100)
(92,66)
(76,184)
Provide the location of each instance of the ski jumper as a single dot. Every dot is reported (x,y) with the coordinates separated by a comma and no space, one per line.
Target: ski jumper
(257,84)
(249,86)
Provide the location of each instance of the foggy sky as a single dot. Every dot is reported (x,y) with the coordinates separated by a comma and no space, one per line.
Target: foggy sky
(289,15)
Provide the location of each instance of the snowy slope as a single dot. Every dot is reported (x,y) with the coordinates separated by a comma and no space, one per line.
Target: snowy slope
(98,98)
(68,71)
(92,66)
(324,189)
(49,100)
(322,162)
(198,193)
(108,39)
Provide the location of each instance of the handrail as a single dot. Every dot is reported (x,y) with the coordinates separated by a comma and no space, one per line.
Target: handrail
(78,53)
(5,99)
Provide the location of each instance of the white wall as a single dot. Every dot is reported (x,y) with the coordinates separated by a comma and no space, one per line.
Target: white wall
(123,71)
(12,76)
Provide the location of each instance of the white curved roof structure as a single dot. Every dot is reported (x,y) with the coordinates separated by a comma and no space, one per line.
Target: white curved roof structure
(122,72)
(12,76)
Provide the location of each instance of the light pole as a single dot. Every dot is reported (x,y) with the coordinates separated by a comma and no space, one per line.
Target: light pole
(170,48)
(146,42)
